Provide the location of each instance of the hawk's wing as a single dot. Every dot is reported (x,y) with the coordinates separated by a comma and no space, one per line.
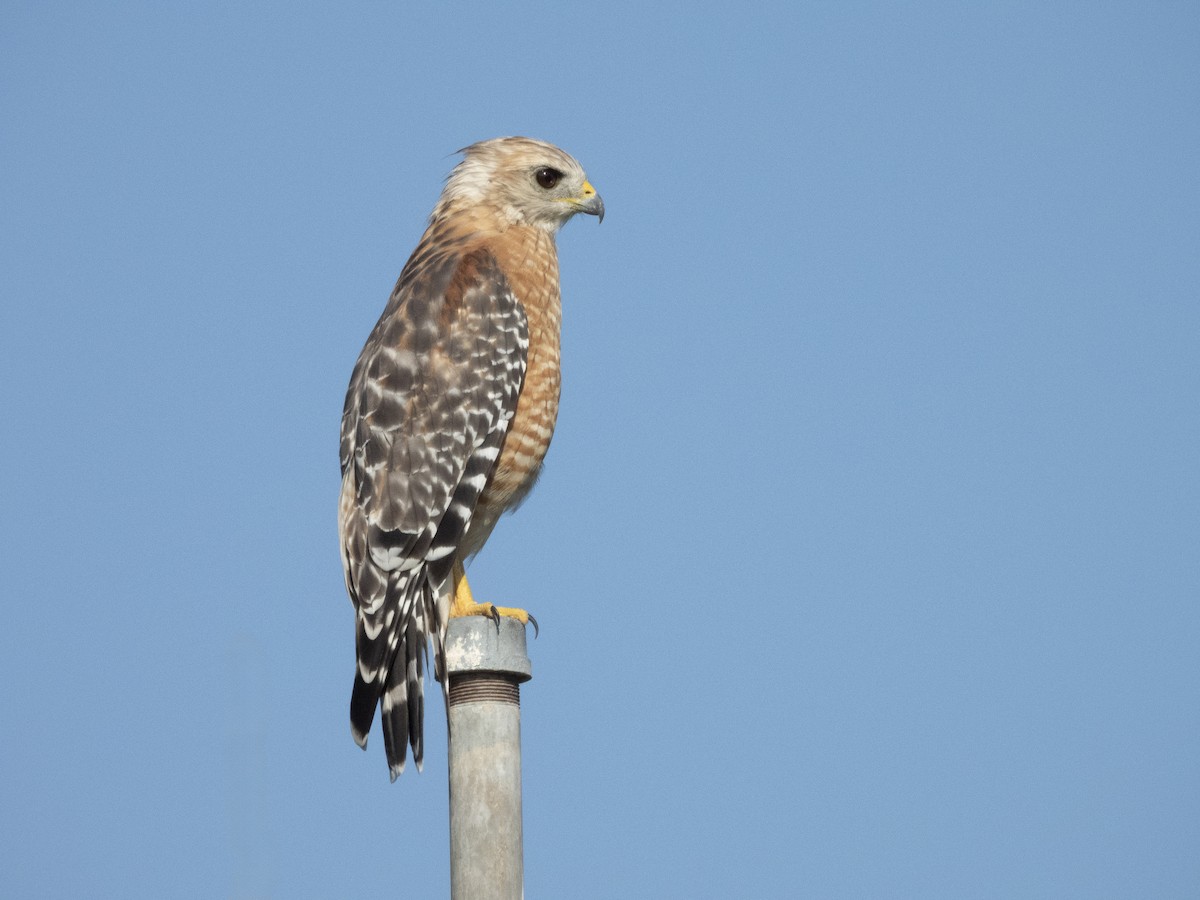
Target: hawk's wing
(426,413)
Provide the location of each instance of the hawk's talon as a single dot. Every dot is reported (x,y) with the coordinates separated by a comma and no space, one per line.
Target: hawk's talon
(495,613)
(463,604)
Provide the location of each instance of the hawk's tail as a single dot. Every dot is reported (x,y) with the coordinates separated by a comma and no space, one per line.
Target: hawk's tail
(391,672)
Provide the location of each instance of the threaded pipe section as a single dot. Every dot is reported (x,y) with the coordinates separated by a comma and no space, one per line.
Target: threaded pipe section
(484,687)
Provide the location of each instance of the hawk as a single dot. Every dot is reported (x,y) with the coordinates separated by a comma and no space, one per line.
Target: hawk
(449,413)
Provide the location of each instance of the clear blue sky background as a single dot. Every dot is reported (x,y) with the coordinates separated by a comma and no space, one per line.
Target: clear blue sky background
(867,556)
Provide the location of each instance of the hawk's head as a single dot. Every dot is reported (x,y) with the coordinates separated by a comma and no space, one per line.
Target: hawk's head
(524,180)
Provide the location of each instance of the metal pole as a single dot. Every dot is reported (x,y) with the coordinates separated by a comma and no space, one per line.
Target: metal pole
(486,664)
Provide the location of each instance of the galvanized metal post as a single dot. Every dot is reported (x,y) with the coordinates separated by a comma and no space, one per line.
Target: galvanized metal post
(486,664)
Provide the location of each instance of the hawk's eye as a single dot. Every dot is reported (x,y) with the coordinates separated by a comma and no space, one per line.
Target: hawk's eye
(547,177)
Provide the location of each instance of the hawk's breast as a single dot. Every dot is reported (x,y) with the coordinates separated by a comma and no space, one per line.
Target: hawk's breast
(528,258)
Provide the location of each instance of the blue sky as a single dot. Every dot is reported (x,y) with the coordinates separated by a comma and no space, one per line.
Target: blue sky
(867,556)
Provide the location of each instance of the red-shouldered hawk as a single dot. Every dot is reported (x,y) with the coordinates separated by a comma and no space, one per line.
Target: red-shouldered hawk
(449,413)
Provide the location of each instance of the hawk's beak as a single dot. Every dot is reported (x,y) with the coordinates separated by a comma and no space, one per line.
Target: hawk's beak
(590,202)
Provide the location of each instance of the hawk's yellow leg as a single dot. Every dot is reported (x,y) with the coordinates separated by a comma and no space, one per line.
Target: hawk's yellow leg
(464,604)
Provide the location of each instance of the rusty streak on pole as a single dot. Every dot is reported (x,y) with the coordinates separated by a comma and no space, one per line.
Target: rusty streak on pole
(486,664)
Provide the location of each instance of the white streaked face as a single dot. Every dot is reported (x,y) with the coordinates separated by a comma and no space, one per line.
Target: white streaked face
(530,181)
